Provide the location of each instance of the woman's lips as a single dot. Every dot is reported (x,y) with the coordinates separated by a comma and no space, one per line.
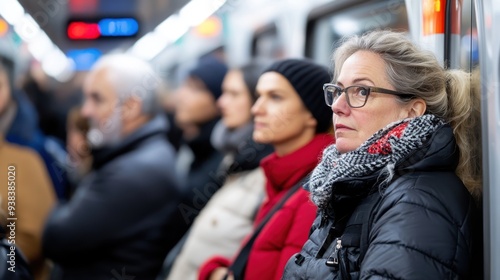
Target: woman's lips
(258,125)
(341,126)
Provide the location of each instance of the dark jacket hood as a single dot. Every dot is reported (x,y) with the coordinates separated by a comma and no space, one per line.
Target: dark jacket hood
(440,153)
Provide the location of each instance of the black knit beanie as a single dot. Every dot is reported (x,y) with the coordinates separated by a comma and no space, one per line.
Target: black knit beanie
(307,78)
(211,72)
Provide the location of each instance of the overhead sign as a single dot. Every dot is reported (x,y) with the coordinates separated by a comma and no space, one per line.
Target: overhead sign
(102,28)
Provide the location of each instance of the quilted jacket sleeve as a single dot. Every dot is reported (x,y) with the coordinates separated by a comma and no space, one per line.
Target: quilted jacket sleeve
(420,231)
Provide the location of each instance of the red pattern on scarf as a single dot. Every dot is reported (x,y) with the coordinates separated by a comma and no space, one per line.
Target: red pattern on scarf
(382,146)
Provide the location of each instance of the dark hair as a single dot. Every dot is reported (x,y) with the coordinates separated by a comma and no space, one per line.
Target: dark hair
(251,73)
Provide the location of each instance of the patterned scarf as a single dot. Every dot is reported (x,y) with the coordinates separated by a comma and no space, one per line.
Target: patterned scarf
(384,149)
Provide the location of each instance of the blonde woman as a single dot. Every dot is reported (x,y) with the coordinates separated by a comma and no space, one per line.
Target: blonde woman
(396,192)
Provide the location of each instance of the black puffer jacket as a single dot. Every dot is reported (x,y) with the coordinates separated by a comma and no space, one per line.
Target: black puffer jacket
(421,227)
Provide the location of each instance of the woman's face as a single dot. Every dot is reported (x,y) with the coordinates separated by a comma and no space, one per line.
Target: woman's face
(280,116)
(353,126)
(195,104)
(235,102)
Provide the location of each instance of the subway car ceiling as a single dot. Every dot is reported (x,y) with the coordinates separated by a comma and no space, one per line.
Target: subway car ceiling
(172,34)
(66,36)
(83,30)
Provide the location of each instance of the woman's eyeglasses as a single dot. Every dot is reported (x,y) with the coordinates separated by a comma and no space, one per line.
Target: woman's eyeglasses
(356,96)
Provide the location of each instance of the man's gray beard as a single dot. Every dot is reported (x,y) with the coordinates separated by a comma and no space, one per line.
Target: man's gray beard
(108,135)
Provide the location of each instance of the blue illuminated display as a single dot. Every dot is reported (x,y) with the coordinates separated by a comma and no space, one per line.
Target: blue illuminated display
(84,58)
(118,27)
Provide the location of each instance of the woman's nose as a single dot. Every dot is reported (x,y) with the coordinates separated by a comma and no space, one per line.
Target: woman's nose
(221,101)
(86,109)
(340,105)
(256,108)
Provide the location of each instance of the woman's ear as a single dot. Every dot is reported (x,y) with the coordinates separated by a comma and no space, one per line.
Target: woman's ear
(416,107)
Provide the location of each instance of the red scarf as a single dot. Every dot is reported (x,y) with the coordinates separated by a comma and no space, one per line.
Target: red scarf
(283,172)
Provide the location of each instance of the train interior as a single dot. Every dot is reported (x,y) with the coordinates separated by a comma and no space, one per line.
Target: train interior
(58,41)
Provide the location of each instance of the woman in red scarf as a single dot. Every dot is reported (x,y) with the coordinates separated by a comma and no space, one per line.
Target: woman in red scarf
(290,115)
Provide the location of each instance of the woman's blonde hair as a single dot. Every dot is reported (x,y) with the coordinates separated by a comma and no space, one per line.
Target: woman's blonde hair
(450,94)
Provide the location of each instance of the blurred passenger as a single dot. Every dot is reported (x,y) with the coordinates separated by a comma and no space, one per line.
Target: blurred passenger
(290,115)
(174,133)
(79,159)
(26,193)
(51,103)
(19,123)
(119,221)
(196,113)
(18,267)
(406,133)
(228,216)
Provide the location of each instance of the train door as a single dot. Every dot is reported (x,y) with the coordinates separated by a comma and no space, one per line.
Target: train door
(460,33)
(488,17)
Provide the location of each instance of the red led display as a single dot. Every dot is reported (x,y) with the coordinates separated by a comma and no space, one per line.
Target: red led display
(78,30)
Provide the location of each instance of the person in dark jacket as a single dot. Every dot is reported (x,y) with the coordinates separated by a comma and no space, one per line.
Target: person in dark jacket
(119,222)
(289,115)
(404,128)
(197,114)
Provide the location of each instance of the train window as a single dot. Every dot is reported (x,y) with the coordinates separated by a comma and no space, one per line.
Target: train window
(328,24)
(266,43)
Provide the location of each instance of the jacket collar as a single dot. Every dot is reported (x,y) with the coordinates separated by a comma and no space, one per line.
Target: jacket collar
(157,125)
(440,153)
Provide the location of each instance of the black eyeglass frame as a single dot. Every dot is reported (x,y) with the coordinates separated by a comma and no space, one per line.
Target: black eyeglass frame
(367,88)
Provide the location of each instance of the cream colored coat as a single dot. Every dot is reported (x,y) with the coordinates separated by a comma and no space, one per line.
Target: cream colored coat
(222,224)
(34,198)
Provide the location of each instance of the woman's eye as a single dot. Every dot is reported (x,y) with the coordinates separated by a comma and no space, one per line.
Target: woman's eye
(361,91)
(233,93)
(275,97)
